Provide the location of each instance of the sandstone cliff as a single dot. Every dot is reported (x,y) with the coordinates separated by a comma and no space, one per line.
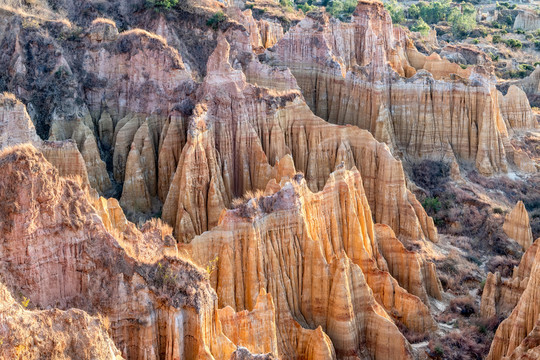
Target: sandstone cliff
(361,70)
(52,334)
(327,274)
(238,135)
(518,336)
(59,250)
(517,226)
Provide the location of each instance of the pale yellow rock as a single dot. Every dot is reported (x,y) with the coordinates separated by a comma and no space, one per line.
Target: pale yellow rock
(516,109)
(74,333)
(517,226)
(518,334)
(359,68)
(317,254)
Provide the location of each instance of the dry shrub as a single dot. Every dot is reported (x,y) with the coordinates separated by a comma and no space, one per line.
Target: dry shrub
(469,343)
(502,264)
(463,305)
(411,336)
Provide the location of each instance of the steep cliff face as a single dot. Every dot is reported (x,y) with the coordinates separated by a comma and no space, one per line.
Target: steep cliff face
(58,250)
(527,20)
(17,128)
(238,135)
(517,226)
(518,336)
(71,334)
(318,255)
(368,74)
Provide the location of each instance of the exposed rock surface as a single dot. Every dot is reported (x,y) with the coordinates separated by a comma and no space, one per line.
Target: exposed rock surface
(517,226)
(358,70)
(517,337)
(52,334)
(238,136)
(17,128)
(339,283)
(527,20)
(57,251)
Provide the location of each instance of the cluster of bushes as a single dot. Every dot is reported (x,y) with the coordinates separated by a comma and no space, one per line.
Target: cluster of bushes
(216,20)
(161,4)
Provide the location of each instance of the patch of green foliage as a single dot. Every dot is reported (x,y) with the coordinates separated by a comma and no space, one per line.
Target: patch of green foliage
(421,26)
(341,8)
(216,20)
(496,39)
(396,11)
(432,205)
(464,21)
(514,43)
(161,4)
(434,11)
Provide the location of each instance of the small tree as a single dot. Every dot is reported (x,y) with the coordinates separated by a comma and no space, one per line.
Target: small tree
(396,11)
(161,4)
(421,26)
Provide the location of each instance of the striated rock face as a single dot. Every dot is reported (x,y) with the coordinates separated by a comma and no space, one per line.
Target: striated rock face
(527,20)
(517,226)
(516,110)
(517,337)
(238,135)
(15,124)
(61,251)
(360,71)
(71,334)
(17,128)
(501,296)
(318,255)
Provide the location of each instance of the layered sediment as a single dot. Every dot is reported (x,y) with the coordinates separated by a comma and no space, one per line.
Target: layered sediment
(367,73)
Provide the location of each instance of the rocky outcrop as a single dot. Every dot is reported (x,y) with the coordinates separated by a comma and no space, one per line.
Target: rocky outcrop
(517,337)
(516,110)
(71,334)
(517,226)
(17,128)
(358,69)
(57,250)
(271,32)
(527,20)
(500,296)
(238,135)
(530,84)
(327,274)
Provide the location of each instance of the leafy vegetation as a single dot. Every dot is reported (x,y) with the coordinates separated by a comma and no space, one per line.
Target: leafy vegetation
(341,8)
(464,21)
(421,26)
(396,11)
(216,20)
(161,4)
(514,43)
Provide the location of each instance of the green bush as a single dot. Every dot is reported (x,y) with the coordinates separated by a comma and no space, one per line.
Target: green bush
(341,8)
(494,57)
(536,44)
(432,205)
(396,11)
(435,11)
(496,39)
(413,12)
(421,26)
(520,31)
(216,20)
(476,41)
(526,67)
(161,4)
(464,21)
(514,43)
